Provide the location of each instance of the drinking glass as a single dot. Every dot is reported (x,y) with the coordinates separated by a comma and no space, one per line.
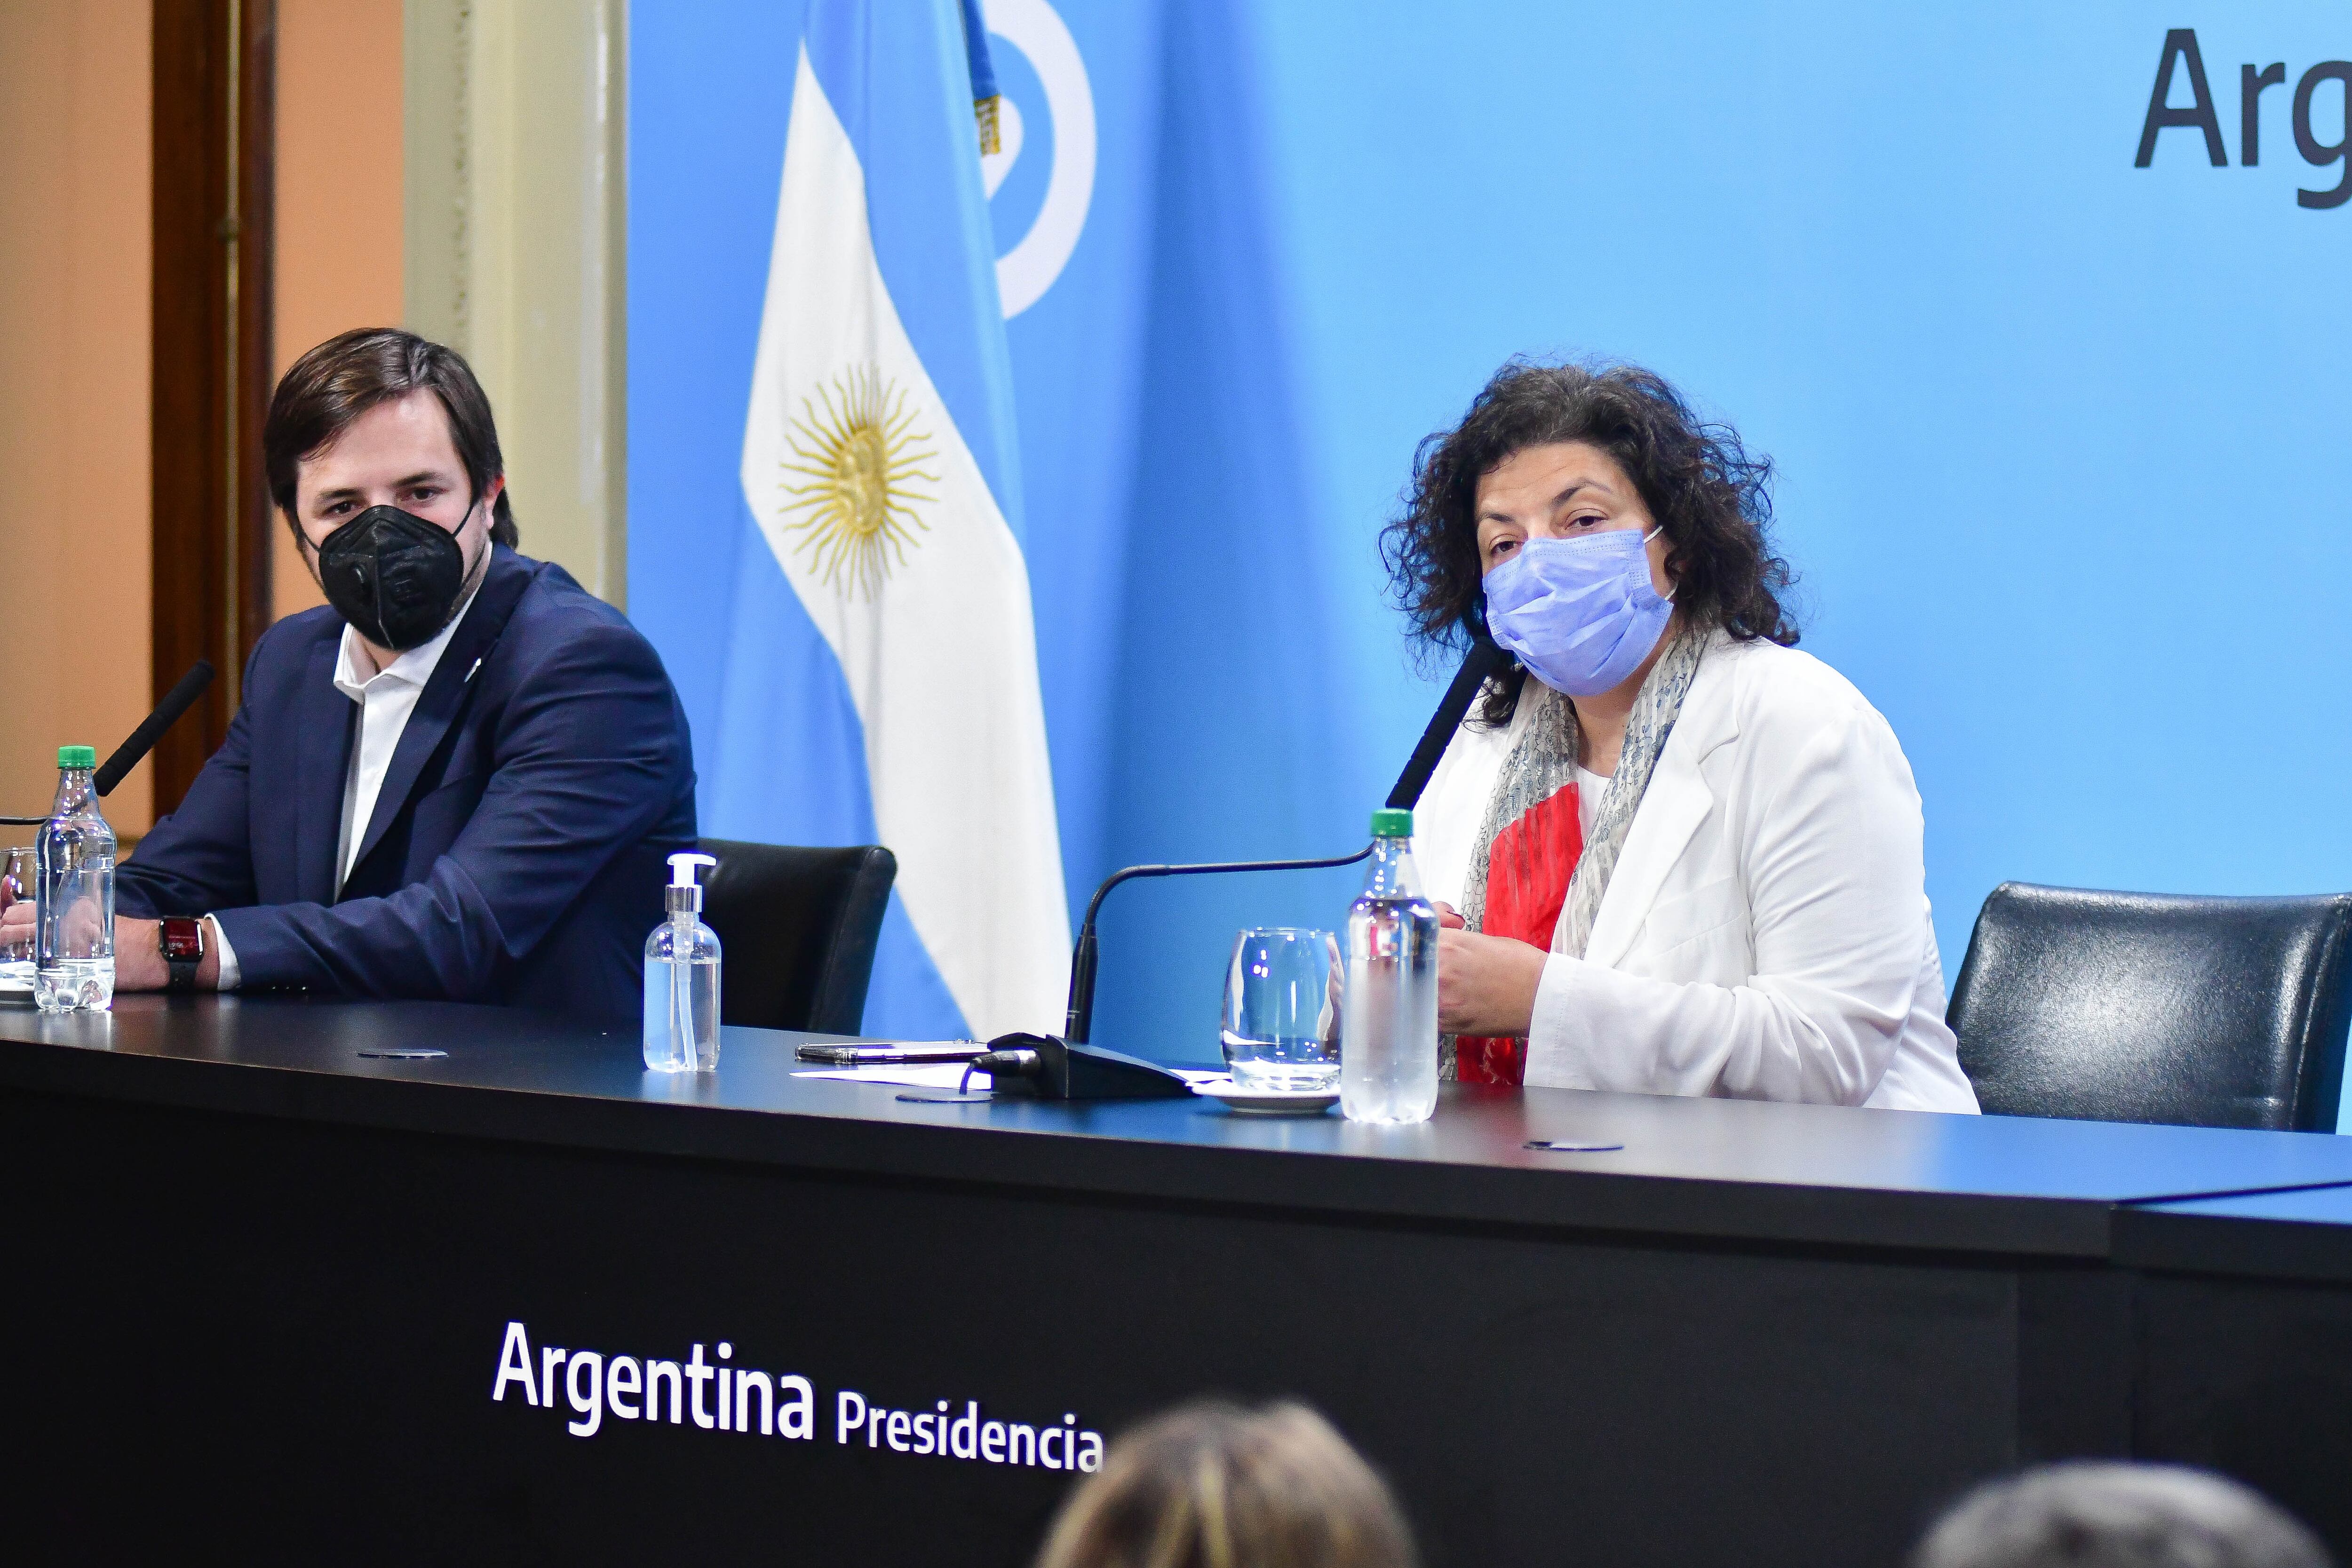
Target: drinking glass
(16,957)
(1281,1027)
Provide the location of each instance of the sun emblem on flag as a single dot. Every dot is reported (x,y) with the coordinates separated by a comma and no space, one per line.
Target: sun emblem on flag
(860,456)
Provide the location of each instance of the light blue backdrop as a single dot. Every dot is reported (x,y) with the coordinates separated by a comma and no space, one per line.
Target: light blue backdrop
(2062,455)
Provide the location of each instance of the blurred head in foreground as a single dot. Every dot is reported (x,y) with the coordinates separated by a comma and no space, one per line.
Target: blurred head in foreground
(2095,1515)
(1213,1486)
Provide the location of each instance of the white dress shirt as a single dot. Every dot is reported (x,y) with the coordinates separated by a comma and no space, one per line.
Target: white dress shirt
(386,698)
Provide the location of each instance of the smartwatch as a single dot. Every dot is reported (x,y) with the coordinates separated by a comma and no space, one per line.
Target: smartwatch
(183,941)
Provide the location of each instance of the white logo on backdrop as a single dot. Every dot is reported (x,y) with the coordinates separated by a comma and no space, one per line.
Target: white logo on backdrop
(1029,269)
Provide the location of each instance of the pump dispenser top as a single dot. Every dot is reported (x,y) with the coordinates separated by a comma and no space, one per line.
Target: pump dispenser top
(684,894)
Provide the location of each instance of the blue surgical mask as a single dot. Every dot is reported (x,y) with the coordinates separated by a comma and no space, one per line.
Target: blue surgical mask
(1579,613)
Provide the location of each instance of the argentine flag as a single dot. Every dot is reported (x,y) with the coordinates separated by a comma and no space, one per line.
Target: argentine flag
(879,471)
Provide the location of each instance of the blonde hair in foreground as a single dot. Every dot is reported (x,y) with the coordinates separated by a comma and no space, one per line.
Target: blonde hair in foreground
(1214,1486)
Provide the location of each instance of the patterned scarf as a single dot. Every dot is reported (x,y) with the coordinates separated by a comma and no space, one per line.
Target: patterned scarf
(1532,876)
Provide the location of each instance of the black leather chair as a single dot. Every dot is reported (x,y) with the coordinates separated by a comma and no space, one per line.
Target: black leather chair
(797,929)
(2143,1007)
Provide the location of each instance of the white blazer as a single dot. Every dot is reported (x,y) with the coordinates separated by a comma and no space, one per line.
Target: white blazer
(1766,935)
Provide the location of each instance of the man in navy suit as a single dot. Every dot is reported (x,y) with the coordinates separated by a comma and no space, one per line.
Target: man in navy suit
(461,778)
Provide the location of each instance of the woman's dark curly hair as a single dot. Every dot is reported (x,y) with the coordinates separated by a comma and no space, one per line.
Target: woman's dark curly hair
(1709,494)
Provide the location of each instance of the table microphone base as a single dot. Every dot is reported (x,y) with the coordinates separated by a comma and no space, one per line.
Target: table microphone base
(1046,1067)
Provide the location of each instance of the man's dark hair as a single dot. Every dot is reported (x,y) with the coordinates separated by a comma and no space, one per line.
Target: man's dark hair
(321,392)
(1710,495)
(2090,1514)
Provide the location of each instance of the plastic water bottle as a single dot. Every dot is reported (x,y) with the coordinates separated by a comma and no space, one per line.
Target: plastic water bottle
(1387,1053)
(682,978)
(73,861)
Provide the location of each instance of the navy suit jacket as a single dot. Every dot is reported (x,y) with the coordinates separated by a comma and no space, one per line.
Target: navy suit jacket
(516,852)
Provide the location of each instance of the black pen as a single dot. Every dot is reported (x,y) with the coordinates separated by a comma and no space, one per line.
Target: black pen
(891,1056)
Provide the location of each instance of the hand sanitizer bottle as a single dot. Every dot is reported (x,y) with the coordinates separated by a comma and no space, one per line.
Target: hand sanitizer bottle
(682,978)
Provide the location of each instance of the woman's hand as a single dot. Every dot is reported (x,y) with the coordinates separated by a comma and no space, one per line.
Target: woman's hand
(1486,984)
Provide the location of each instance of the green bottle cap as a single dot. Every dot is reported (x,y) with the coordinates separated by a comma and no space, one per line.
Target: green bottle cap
(1389,822)
(77,756)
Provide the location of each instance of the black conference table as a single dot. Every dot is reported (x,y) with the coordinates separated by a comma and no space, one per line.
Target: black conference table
(270,1287)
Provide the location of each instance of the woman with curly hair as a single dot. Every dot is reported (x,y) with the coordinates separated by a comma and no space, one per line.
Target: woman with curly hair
(1676,854)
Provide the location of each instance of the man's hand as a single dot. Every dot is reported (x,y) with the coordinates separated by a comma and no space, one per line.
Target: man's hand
(1486,984)
(17,925)
(139,955)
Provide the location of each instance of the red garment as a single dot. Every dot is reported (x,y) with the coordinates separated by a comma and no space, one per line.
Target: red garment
(1528,872)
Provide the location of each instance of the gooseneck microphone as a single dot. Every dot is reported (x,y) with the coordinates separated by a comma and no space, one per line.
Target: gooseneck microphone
(1483,663)
(1077,1026)
(176,701)
(134,751)
(1069,1067)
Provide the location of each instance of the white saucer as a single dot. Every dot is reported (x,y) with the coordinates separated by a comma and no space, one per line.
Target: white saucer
(1268,1101)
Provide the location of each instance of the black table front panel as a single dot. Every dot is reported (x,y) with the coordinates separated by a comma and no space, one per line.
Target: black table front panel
(289,1335)
(261,1280)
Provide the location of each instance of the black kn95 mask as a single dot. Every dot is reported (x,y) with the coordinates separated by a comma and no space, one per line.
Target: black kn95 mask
(394,576)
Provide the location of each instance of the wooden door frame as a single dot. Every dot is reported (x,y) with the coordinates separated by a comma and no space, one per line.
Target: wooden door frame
(214,118)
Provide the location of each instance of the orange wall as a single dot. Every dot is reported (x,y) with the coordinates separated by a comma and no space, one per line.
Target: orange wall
(74,337)
(339,200)
(74,554)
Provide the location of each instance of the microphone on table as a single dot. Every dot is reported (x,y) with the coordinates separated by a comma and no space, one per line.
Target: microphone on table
(134,751)
(1067,1066)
